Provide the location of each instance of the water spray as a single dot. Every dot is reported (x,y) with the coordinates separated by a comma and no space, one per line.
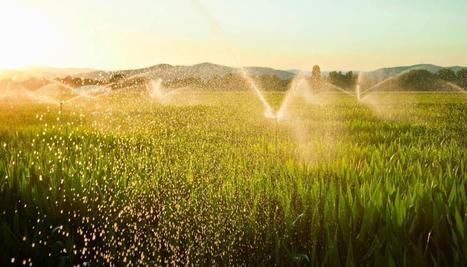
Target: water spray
(285,102)
(276,139)
(357,87)
(82,91)
(364,93)
(268,111)
(339,89)
(155,90)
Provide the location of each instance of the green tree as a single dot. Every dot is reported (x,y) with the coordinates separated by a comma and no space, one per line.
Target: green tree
(461,78)
(347,80)
(419,80)
(316,79)
(447,75)
(117,77)
(316,73)
(350,79)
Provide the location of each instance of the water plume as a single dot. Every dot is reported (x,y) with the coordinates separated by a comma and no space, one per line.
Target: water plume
(54,91)
(176,96)
(302,113)
(375,86)
(383,103)
(299,88)
(55,82)
(312,129)
(20,95)
(59,93)
(286,101)
(268,111)
(155,90)
(456,87)
(340,89)
(157,93)
(358,86)
(388,83)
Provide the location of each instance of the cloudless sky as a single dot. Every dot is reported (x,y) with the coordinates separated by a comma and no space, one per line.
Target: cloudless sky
(113,34)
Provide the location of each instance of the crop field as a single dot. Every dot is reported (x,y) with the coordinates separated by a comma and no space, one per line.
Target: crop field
(206,179)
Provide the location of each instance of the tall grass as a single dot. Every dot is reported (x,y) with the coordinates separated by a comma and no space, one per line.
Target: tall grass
(127,181)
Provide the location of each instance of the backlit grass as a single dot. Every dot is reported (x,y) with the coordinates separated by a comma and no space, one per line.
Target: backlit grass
(127,181)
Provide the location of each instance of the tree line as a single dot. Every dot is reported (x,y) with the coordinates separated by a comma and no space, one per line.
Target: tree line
(425,80)
(344,80)
(412,80)
(459,77)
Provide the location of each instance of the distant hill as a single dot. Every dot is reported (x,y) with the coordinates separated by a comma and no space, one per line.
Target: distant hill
(170,72)
(203,74)
(258,71)
(203,70)
(297,71)
(415,80)
(384,73)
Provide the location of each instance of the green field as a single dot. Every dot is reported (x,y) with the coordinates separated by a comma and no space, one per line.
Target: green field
(207,180)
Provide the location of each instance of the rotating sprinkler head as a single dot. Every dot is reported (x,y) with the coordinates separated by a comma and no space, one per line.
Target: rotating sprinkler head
(270,114)
(357,91)
(357,87)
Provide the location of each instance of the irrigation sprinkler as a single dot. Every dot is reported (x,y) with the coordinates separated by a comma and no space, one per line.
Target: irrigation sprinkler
(274,116)
(276,139)
(368,90)
(357,92)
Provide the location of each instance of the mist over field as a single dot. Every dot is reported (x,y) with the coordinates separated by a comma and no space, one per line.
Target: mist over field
(319,137)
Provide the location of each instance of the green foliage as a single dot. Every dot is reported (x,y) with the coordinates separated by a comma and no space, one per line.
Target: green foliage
(419,80)
(447,75)
(461,78)
(117,77)
(127,181)
(316,73)
(347,80)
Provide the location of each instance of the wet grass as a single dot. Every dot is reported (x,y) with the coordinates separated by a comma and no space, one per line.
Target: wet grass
(127,181)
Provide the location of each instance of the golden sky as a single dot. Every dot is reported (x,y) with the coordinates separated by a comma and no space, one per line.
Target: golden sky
(359,34)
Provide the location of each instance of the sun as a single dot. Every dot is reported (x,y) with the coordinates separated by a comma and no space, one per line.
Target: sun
(28,37)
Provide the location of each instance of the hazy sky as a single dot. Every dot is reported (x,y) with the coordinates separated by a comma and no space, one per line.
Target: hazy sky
(112,34)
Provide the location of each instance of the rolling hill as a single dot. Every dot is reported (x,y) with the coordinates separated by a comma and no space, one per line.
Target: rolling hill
(35,77)
(384,73)
(170,72)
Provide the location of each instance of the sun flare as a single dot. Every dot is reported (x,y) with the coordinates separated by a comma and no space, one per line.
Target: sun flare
(28,37)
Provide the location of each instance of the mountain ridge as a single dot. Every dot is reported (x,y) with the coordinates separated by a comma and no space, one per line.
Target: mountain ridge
(204,70)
